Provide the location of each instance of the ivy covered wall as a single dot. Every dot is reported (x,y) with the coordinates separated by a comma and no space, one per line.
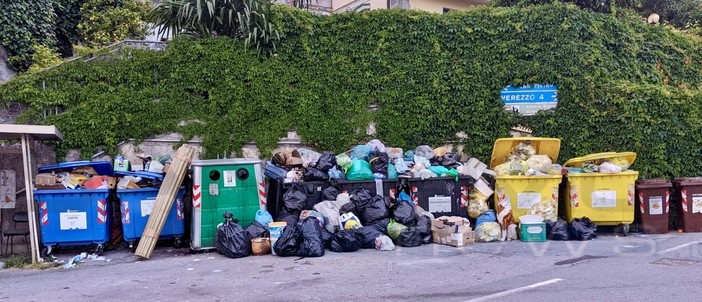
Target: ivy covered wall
(622,85)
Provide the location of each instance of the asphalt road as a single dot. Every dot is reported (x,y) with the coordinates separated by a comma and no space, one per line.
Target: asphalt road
(610,268)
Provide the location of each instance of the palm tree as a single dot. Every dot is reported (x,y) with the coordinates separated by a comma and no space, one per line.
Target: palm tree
(247,20)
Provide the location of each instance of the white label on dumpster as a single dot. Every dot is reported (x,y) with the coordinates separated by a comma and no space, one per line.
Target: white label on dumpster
(525,200)
(73,221)
(696,203)
(655,205)
(230,178)
(147,205)
(604,199)
(441,204)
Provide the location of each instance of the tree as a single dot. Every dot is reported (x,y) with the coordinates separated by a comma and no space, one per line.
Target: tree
(108,21)
(247,20)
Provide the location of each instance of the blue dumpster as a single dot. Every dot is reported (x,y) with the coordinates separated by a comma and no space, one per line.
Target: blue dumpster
(74,217)
(136,205)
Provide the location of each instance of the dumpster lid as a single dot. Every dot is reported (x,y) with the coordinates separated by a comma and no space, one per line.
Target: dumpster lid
(653,183)
(543,146)
(142,174)
(690,181)
(101,167)
(578,161)
(222,162)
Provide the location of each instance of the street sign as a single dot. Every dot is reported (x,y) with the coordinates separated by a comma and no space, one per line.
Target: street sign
(529,99)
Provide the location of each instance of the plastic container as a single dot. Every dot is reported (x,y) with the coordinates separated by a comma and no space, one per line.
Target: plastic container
(607,199)
(523,191)
(224,185)
(488,216)
(276,231)
(532,232)
(690,203)
(653,202)
(74,217)
(442,196)
(136,205)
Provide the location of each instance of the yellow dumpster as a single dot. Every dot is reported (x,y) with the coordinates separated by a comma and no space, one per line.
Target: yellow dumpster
(607,199)
(520,191)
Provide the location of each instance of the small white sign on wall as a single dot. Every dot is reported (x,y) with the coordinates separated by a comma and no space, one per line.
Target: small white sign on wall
(7,189)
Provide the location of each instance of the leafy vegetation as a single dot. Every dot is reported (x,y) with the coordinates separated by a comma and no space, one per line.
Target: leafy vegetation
(107,21)
(623,85)
(248,20)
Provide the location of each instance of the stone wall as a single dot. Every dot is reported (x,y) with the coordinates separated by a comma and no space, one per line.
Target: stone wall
(5,72)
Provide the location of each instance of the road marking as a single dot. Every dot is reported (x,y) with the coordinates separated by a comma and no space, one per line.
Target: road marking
(514,291)
(682,246)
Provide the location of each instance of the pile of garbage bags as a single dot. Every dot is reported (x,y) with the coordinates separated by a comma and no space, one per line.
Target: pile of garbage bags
(234,241)
(578,229)
(523,160)
(364,162)
(353,221)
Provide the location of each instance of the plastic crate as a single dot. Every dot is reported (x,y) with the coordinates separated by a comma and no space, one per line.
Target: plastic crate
(532,232)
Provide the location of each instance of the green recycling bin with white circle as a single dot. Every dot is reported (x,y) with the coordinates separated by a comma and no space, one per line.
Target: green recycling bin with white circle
(224,185)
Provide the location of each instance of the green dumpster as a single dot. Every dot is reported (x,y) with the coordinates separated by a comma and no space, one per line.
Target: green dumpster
(224,185)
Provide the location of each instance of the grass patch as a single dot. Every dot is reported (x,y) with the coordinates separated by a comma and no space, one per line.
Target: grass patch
(24,262)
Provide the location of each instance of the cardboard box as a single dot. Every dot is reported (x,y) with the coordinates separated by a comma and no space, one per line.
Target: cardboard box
(453,231)
(45,179)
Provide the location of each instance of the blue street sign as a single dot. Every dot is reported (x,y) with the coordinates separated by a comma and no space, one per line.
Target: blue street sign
(529,99)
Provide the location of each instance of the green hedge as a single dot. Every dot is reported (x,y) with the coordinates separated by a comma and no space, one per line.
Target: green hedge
(430,75)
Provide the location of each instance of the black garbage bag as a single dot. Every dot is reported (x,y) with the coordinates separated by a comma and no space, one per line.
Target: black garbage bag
(314,174)
(379,162)
(381,224)
(374,210)
(330,193)
(327,237)
(232,240)
(424,228)
(367,235)
(409,237)
(583,229)
(256,230)
(348,208)
(361,198)
(311,243)
(294,199)
(287,244)
(326,161)
(557,230)
(450,160)
(345,241)
(289,218)
(404,214)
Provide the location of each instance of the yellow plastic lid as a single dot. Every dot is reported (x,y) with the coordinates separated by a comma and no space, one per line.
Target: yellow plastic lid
(544,146)
(578,161)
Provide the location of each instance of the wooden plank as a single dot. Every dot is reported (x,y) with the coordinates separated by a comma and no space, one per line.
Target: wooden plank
(164,201)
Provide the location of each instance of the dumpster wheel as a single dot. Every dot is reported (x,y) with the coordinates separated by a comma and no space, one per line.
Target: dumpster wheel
(100,249)
(625,229)
(177,242)
(46,251)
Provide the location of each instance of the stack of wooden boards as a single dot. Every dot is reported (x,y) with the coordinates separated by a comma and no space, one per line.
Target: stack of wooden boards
(164,200)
